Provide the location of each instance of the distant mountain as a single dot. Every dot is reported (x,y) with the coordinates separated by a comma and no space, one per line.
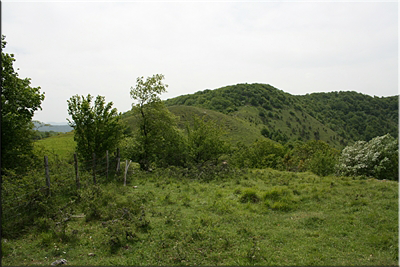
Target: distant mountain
(57,123)
(42,127)
(338,118)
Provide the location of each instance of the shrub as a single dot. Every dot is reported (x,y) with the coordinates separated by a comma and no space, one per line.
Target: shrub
(322,164)
(377,158)
(315,156)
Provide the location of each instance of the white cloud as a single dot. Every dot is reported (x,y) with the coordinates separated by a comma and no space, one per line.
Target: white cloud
(101,48)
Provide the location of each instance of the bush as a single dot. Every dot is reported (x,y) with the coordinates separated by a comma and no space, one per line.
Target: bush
(315,156)
(322,164)
(263,153)
(377,158)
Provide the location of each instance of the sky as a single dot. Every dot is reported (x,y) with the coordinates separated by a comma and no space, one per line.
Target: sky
(300,47)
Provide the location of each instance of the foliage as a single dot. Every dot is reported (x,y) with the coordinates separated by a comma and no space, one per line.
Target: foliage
(263,153)
(205,141)
(315,156)
(41,135)
(19,101)
(96,129)
(377,158)
(157,140)
(353,115)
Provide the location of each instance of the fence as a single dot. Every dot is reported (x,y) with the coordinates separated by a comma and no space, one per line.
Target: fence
(19,194)
(94,170)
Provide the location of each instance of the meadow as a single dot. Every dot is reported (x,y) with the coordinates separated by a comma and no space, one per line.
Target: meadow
(62,144)
(220,216)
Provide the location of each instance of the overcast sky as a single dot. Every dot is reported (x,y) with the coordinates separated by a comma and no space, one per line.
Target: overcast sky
(100,48)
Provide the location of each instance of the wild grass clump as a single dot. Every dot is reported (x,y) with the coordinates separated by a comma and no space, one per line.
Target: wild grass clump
(280,198)
(249,195)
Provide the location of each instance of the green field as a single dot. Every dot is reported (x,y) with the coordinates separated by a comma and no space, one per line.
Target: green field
(248,217)
(62,145)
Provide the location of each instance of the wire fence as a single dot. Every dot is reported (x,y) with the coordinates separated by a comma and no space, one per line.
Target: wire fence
(21,194)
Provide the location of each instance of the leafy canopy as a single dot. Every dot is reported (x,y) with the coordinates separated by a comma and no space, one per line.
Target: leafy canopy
(147,92)
(157,140)
(19,101)
(97,128)
(205,141)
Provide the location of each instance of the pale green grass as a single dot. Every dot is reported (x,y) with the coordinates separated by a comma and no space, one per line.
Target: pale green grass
(62,145)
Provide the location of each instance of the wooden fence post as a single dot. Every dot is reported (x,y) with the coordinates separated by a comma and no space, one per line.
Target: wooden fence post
(118,160)
(107,166)
(126,170)
(46,167)
(94,168)
(78,184)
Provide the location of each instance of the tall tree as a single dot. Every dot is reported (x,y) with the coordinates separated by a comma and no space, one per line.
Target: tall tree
(157,140)
(19,101)
(97,128)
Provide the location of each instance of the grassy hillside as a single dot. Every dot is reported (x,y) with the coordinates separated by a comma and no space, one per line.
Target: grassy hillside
(338,118)
(62,145)
(236,129)
(260,217)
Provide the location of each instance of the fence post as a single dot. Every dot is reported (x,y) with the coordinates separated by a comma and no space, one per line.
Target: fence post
(107,165)
(78,184)
(94,168)
(126,170)
(46,167)
(118,160)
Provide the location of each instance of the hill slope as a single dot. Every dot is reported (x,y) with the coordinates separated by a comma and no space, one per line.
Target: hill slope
(338,118)
(237,129)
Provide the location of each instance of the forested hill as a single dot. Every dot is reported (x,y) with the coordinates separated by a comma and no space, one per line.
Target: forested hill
(353,115)
(336,117)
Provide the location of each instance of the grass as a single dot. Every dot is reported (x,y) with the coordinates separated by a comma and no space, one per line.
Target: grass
(62,144)
(254,217)
(237,129)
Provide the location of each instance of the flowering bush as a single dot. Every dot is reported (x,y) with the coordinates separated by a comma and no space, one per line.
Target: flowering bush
(377,158)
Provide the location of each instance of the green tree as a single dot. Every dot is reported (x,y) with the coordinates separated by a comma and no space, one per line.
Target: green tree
(157,140)
(205,141)
(96,128)
(19,101)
